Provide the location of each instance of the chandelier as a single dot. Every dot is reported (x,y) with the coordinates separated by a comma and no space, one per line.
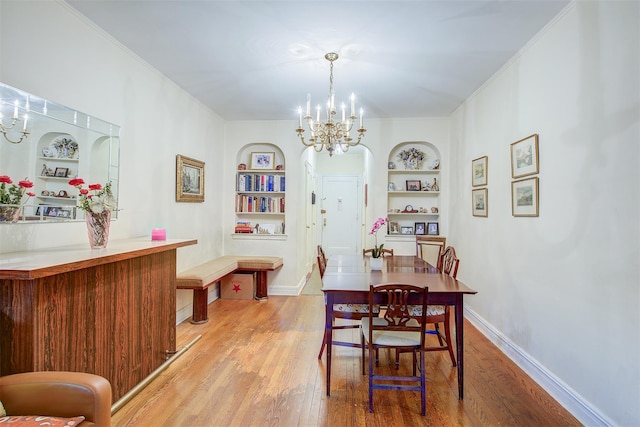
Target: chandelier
(4,129)
(333,136)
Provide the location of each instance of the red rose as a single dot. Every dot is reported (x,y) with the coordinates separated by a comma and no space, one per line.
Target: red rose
(84,191)
(25,184)
(95,187)
(76,181)
(30,194)
(5,179)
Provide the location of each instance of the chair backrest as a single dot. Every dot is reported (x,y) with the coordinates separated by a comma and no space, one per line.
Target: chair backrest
(385,252)
(429,248)
(397,299)
(448,263)
(322,261)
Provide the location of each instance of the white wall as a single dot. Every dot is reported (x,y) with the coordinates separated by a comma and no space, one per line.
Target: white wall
(48,50)
(560,292)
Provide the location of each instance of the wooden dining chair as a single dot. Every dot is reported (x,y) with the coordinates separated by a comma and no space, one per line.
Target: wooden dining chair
(447,264)
(398,330)
(385,252)
(429,248)
(322,261)
(352,312)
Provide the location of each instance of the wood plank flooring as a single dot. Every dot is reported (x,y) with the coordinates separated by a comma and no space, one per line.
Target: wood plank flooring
(256,365)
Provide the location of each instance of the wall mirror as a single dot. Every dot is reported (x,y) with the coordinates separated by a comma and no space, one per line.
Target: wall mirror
(49,144)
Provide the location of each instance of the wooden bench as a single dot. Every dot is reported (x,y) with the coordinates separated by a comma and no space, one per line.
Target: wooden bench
(200,277)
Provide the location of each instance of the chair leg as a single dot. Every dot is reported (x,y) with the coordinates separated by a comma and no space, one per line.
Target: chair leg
(362,346)
(371,352)
(447,336)
(324,342)
(437,329)
(423,383)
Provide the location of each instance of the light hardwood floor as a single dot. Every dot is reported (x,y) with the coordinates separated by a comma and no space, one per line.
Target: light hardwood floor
(256,365)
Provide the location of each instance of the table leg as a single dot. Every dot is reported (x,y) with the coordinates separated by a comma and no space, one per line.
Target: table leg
(328,336)
(460,345)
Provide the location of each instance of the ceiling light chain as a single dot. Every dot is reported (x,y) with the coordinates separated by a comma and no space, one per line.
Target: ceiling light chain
(331,135)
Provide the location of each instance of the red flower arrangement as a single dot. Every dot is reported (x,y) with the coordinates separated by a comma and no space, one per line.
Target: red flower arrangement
(101,200)
(11,194)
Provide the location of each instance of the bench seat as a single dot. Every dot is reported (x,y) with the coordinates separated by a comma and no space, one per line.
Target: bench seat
(200,277)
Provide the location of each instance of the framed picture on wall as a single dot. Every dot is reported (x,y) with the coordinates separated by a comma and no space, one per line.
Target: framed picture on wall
(189,179)
(524,197)
(263,160)
(524,157)
(479,171)
(480,202)
(420,228)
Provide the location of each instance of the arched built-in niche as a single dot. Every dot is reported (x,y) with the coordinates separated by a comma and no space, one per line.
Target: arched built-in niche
(413,195)
(260,191)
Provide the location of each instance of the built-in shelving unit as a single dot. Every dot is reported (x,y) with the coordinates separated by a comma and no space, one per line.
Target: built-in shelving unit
(413,202)
(260,193)
(58,162)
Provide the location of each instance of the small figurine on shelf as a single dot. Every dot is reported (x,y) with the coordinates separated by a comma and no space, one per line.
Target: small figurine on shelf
(434,186)
(242,167)
(426,186)
(279,167)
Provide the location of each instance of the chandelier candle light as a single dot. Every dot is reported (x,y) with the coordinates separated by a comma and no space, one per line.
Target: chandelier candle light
(331,135)
(4,129)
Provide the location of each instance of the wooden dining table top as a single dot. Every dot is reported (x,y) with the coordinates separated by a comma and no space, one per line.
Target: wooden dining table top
(353,273)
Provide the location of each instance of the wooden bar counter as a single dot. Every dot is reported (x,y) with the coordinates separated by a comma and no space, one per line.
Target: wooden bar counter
(110,312)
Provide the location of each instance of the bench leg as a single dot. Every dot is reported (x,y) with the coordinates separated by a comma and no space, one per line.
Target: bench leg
(261,285)
(200,315)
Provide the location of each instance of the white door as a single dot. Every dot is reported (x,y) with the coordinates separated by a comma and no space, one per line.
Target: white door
(340,215)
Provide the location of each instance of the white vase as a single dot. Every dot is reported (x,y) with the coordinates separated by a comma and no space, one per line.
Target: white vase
(376,263)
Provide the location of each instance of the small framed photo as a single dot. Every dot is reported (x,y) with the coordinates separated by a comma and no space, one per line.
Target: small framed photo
(479,171)
(524,157)
(420,228)
(479,201)
(413,185)
(406,230)
(393,227)
(64,213)
(432,229)
(52,211)
(61,172)
(263,160)
(189,179)
(524,197)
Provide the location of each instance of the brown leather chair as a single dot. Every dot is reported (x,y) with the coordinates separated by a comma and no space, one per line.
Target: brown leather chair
(58,394)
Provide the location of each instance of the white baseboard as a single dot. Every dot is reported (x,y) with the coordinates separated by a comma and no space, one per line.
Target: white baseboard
(288,290)
(561,392)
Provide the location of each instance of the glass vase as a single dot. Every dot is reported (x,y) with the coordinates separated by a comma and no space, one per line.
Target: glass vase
(9,213)
(98,228)
(376,263)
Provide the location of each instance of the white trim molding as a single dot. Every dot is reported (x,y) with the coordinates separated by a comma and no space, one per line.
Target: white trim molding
(561,392)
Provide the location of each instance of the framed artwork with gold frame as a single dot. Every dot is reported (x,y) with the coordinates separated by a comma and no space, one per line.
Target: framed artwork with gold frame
(189,179)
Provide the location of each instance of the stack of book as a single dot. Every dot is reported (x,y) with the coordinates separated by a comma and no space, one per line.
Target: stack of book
(243,227)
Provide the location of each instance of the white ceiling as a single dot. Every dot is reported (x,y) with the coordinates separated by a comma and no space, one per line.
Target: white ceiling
(259,59)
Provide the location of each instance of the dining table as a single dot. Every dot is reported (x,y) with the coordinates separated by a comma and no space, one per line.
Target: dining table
(347,279)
